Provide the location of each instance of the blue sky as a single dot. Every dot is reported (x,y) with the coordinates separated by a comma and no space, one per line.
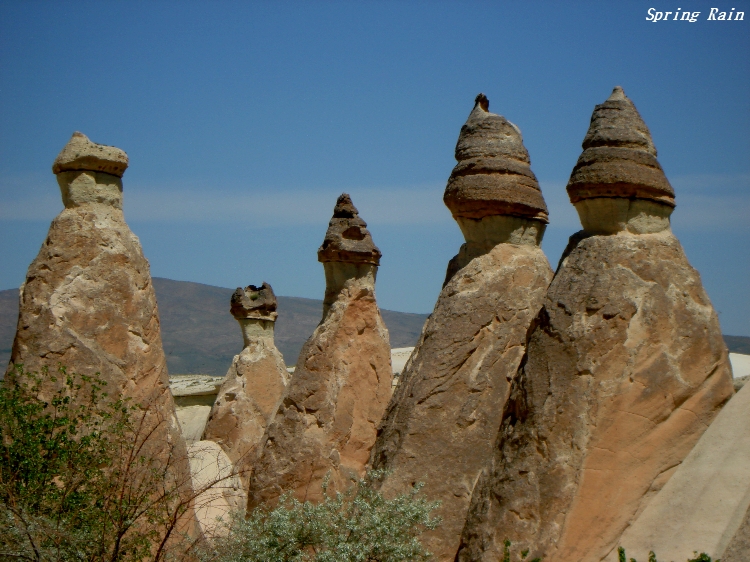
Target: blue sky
(243,121)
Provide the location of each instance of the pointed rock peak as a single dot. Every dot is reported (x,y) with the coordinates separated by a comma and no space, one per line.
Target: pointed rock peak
(344,208)
(493,175)
(482,102)
(617,123)
(80,154)
(347,238)
(254,302)
(619,157)
(618,94)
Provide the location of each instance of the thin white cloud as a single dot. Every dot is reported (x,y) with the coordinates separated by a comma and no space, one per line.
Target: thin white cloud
(704,202)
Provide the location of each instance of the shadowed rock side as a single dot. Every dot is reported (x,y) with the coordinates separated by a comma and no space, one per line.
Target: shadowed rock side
(624,370)
(339,390)
(88,302)
(441,423)
(254,384)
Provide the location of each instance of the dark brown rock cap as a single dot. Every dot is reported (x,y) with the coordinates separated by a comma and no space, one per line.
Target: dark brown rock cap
(619,157)
(80,154)
(254,302)
(493,175)
(347,238)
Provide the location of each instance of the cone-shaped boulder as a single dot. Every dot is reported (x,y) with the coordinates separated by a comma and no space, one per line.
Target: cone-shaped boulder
(493,175)
(624,370)
(88,303)
(327,420)
(254,384)
(441,423)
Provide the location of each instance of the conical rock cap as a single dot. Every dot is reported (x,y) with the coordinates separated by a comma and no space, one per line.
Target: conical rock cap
(619,157)
(80,154)
(254,302)
(347,238)
(493,175)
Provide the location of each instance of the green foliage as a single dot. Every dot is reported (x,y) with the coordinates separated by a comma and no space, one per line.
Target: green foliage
(702,557)
(78,479)
(524,553)
(358,525)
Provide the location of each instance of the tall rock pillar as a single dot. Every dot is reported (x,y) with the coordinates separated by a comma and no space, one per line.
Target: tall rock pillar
(88,302)
(624,370)
(327,420)
(254,384)
(441,423)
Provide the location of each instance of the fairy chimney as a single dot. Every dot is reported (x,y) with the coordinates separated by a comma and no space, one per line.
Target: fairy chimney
(440,425)
(88,302)
(624,370)
(327,419)
(254,384)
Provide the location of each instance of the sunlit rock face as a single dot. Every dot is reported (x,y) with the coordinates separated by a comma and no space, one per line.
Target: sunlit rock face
(254,384)
(88,302)
(327,420)
(625,366)
(441,423)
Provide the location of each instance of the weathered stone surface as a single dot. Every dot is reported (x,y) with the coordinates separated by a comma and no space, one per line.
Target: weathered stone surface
(194,396)
(80,154)
(254,384)
(493,175)
(347,238)
(337,395)
(703,504)
(739,547)
(441,424)
(624,370)
(219,490)
(89,304)
(619,157)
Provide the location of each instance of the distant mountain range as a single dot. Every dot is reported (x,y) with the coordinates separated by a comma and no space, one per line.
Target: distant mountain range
(200,336)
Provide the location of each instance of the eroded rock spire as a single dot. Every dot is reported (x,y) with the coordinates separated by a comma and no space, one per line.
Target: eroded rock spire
(347,238)
(619,162)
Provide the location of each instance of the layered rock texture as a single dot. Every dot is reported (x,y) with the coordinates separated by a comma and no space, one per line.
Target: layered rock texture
(624,370)
(441,424)
(88,302)
(254,384)
(327,421)
(703,505)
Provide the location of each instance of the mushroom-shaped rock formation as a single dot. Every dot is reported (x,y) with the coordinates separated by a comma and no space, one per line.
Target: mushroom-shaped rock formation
(618,183)
(625,367)
(492,192)
(328,417)
(441,423)
(88,302)
(254,384)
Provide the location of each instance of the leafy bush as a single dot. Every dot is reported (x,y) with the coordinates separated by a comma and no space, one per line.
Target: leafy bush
(702,557)
(79,477)
(358,525)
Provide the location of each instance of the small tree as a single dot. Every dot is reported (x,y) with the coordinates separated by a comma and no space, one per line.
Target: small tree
(358,525)
(82,476)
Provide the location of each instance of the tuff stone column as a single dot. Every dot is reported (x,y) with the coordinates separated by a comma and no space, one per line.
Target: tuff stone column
(441,423)
(254,384)
(88,302)
(327,420)
(624,370)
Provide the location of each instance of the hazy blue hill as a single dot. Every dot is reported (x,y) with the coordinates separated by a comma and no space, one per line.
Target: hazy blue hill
(200,336)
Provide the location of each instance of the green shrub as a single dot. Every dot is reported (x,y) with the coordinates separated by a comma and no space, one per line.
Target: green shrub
(702,557)
(78,475)
(358,525)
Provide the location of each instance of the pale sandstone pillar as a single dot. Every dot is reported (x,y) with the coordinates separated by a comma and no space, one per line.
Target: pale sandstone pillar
(327,420)
(625,367)
(441,423)
(254,384)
